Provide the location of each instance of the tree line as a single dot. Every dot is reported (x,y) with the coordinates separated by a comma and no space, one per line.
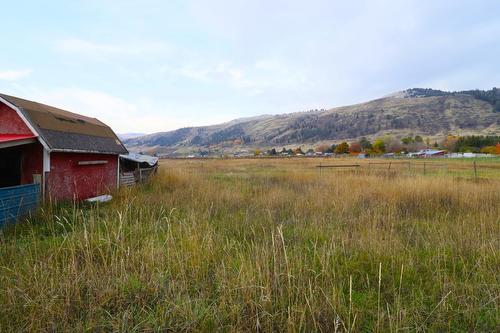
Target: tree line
(390,144)
(491,96)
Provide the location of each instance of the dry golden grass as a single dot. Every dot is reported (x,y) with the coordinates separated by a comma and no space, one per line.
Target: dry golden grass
(269,245)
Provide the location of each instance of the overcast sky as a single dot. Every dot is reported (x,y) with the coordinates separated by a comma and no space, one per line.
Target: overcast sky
(147,66)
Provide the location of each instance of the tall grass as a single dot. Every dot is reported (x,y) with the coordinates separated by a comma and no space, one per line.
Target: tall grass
(261,246)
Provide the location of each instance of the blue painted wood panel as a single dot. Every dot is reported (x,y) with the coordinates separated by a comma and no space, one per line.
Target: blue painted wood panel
(18,201)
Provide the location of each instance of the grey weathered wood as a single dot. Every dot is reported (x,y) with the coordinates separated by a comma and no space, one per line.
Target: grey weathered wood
(127,179)
(92,162)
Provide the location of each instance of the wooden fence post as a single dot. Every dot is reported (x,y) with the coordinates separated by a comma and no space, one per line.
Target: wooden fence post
(140,172)
(424,169)
(475,169)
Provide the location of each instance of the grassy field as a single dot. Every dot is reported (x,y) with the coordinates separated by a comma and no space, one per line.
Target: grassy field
(265,245)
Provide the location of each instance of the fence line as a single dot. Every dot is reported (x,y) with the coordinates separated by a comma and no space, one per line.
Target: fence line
(423,167)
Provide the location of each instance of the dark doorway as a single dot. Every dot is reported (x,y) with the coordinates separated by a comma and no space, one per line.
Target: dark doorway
(10,167)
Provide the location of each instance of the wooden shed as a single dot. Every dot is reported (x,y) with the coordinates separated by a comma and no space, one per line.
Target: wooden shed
(62,155)
(136,168)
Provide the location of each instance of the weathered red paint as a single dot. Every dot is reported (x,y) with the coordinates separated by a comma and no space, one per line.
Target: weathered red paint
(69,181)
(14,137)
(10,123)
(32,162)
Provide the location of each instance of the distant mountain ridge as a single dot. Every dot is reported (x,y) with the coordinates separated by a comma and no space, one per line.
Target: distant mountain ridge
(490,96)
(126,136)
(419,111)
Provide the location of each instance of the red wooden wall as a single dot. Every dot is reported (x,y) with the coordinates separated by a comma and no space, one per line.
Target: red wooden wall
(32,162)
(10,123)
(68,180)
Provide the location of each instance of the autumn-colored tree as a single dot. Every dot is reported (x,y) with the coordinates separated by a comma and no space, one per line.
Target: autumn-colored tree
(489,150)
(379,146)
(392,145)
(413,147)
(342,148)
(497,149)
(450,142)
(257,152)
(298,151)
(322,148)
(355,148)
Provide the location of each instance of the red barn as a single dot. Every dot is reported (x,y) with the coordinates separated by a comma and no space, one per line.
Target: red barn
(72,157)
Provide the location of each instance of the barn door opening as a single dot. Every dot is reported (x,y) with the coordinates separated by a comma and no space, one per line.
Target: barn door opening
(10,167)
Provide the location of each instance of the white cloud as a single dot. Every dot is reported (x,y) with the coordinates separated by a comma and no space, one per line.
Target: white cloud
(12,75)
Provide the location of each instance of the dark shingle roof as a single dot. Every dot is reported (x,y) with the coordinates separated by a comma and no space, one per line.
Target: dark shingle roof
(64,130)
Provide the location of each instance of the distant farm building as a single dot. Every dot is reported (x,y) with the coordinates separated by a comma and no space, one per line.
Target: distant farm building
(428,153)
(53,154)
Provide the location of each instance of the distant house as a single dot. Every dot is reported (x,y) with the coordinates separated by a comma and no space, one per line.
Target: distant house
(57,154)
(433,153)
(428,153)
(310,152)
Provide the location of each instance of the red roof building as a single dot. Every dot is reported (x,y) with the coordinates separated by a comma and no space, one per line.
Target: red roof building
(71,156)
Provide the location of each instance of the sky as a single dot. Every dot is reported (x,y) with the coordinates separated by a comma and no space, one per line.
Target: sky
(149,66)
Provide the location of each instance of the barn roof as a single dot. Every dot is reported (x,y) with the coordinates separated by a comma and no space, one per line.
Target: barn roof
(66,131)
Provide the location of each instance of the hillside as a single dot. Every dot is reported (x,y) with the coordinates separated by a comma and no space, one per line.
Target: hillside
(127,136)
(417,111)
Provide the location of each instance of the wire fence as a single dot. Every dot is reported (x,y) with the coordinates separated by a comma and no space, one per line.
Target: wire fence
(479,169)
(472,169)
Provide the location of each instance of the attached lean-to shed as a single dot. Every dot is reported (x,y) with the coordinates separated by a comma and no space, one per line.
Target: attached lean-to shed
(63,155)
(136,168)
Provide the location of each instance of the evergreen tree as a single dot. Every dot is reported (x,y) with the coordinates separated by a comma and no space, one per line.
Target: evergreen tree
(365,143)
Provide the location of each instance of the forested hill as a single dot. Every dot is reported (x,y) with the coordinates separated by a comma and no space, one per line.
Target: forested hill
(420,111)
(490,96)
